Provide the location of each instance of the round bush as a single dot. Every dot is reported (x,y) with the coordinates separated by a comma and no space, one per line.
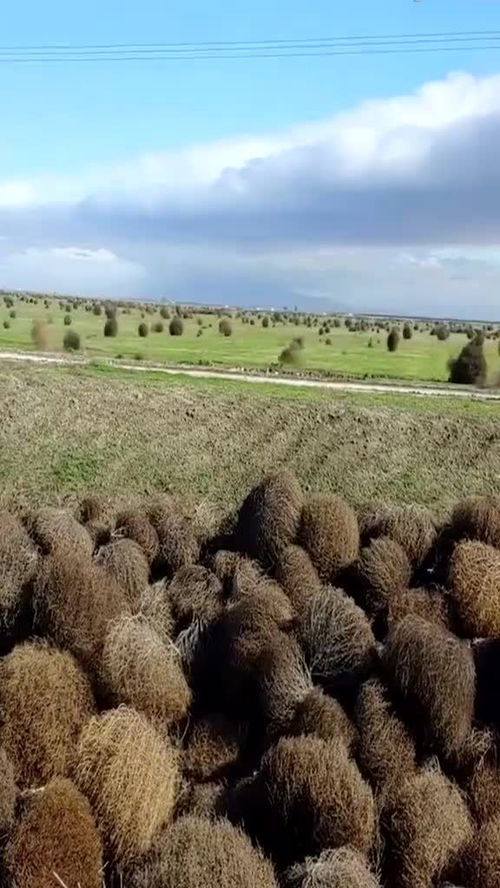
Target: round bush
(393,340)
(433,673)
(338,640)
(176,327)
(140,670)
(8,793)
(45,700)
(306,797)
(295,571)
(477,518)
(135,525)
(475,587)
(225,327)
(470,367)
(126,562)
(74,602)
(426,825)
(18,564)
(329,533)
(158,327)
(196,852)
(71,341)
(55,841)
(384,570)
(341,868)
(269,517)
(386,753)
(67,320)
(129,774)
(111,326)
(143,329)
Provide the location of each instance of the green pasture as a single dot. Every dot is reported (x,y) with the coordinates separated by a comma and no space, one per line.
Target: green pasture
(421,358)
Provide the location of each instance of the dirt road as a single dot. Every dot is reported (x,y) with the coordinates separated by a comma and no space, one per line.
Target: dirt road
(208,373)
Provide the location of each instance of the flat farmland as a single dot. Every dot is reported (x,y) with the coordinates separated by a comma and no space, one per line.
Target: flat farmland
(351,354)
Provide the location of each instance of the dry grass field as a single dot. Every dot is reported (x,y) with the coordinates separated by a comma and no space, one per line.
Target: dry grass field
(68,430)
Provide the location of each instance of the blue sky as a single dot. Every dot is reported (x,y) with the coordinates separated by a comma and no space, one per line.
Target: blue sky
(62,123)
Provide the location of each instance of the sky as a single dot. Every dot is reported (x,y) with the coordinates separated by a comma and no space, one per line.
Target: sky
(355,183)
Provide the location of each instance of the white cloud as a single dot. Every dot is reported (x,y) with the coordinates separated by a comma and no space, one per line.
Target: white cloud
(396,198)
(71,270)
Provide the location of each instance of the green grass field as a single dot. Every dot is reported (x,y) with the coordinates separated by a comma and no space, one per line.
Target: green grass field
(421,358)
(69,430)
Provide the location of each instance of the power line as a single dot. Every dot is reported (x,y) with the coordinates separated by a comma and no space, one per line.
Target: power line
(253,43)
(308,47)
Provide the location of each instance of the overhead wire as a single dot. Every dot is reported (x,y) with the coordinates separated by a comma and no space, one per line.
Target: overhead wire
(375,44)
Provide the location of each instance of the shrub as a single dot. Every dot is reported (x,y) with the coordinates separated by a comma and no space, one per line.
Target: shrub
(386,753)
(8,794)
(475,587)
(164,312)
(328,341)
(45,701)
(71,341)
(480,861)
(269,517)
(407,331)
(290,355)
(477,518)
(111,326)
(393,340)
(225,327)
(384,570)
(55,841)
(257,595)
(67,320)
(195,593)
(329,533)
(177,545)
(213,748)
(341,868)
(143,329)
(135,525)
(74,602)
(12,314)
(129,774)
(97,309)
(412,527)
(6,325)
(298,576)
(442,332)
(282,682)
(307,796)
(110,311)
(57,530)
(324,717)
(433,672)
(141,671)
(39,334)
(126,562)
(176,327)
(196,852)
(158,327)
(426,825)
(470,367)
(431,603)
(18,564)
(337,640)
